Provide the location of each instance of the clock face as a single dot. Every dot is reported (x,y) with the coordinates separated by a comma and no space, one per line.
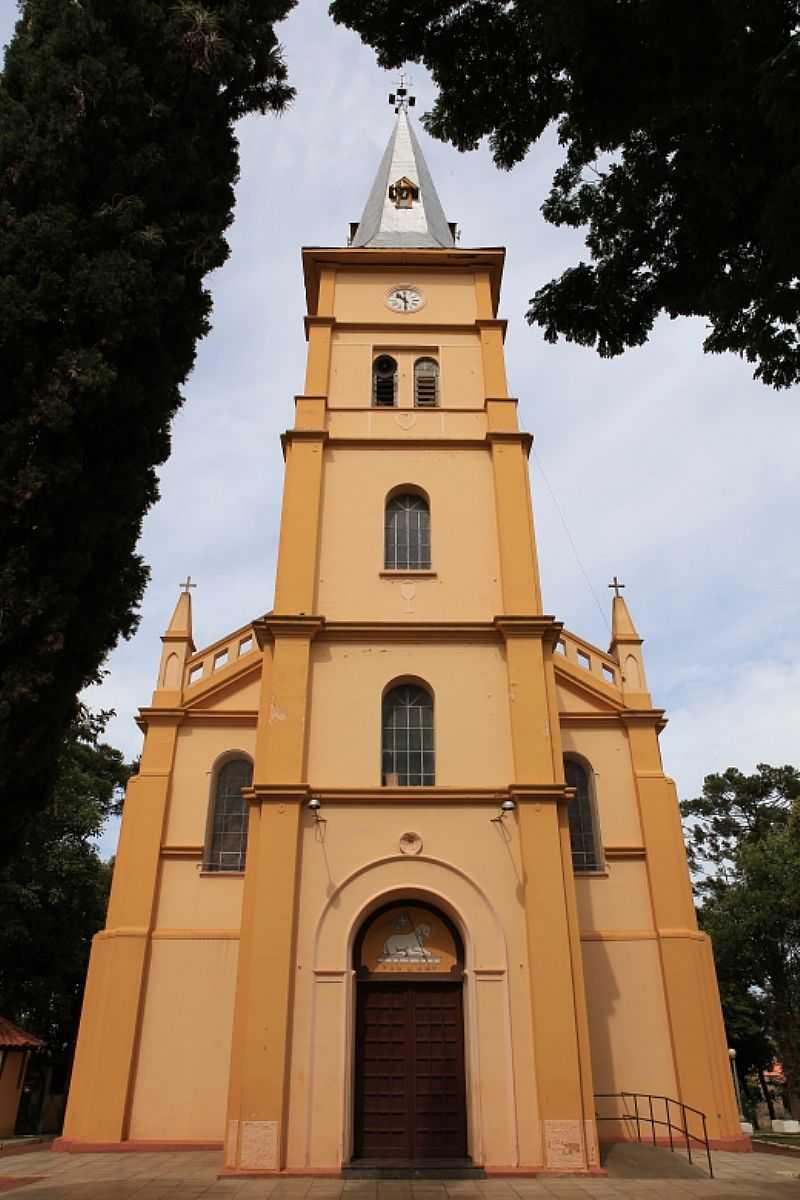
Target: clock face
(404,300)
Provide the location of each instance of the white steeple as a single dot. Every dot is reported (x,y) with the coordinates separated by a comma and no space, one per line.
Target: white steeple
(403,208)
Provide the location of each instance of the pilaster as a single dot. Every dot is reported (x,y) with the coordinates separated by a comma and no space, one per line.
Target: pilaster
(105,1057)
(560,1027)
(258,1089)
(698,1038)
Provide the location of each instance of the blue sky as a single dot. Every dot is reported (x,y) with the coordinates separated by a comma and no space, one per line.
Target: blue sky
(672,469)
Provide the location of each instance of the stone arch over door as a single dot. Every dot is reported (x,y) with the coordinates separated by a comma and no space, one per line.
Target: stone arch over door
(499,1082)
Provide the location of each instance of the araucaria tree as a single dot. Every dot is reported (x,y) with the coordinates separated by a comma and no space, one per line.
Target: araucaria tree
(118,160)
(680,122)
(744,849)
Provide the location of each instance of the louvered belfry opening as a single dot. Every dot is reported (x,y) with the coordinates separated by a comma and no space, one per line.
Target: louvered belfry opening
(426,383)
(384,382)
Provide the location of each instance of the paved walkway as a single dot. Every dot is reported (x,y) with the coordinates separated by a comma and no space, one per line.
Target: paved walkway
(190,1175)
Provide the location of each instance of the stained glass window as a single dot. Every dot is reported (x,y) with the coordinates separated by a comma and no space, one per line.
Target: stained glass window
(228,843)
(581,818)
(408,755)
(407,534)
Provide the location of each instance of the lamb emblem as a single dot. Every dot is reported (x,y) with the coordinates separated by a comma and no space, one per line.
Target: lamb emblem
(407,942)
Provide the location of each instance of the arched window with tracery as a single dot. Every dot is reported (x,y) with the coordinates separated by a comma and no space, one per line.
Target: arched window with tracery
(384,381)
(407,533)
(227,841)
(407,739)
(582,825)
(426,383)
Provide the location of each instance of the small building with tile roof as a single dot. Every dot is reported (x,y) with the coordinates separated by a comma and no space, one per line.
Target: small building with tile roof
(15,1047)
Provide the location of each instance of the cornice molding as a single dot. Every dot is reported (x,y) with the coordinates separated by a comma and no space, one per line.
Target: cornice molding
(275,625)
(409,631)
(510,438)
(547,628)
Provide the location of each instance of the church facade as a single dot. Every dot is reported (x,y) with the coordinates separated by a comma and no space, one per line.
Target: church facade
(401,878)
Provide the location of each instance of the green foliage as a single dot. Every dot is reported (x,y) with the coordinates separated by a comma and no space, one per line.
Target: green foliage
(680,122)
(53,892)
(744,843)
(118,160)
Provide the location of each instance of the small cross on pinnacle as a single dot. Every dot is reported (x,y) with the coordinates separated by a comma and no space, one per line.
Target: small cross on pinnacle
(187,583)
(617,586)
(401,98)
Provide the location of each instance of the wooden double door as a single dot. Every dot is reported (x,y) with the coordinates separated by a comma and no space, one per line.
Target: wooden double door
(410,1087)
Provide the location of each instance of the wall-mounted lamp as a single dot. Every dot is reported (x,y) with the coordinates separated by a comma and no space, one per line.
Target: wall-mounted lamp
(508,806)
(314,806)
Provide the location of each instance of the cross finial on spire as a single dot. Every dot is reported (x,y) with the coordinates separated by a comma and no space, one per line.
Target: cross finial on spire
(617,586)
(187,583)
(401,99)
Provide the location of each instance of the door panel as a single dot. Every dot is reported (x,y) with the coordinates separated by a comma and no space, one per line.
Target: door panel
(410,1094)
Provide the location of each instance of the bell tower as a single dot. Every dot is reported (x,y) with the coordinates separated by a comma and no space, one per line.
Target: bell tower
(408,561)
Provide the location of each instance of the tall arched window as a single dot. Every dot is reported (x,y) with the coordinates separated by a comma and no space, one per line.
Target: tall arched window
(407,533)
(384,381)
(227,849)
(408,755)
(582,833)
(426,383)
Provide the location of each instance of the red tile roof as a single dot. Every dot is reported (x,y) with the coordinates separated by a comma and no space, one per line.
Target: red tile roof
(11,1036)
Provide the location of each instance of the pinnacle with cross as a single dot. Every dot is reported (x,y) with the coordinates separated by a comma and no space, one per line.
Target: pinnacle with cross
(617,586)
(187,583)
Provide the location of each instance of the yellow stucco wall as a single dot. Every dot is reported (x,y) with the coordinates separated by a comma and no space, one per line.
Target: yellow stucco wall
(181,1076)
(198,750)
(360,296)
(628,1024)
(464,554)
(468,866)
(458,355)
(470,690)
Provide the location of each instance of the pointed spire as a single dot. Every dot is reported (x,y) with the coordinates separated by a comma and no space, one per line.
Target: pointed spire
(181,623)
(388,219)
(178,646)
(622,626)
(626,648)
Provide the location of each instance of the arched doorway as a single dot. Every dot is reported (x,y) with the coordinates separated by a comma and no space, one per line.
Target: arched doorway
(410,1091)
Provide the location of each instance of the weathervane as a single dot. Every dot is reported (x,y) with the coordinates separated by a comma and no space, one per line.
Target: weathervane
(401,98)
(617,586)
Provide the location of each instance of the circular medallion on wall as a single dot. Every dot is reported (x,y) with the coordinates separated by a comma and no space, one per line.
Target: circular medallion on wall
(410,843)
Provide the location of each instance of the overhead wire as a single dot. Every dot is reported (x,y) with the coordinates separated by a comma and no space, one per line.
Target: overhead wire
(570,539)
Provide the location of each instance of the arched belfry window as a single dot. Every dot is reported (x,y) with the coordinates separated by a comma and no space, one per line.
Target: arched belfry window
(426,383)
(582,831)
(227,848)
(384,381)
(407,533)
(407,742)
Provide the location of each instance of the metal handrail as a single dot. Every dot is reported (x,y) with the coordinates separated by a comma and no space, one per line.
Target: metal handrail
(649,1118)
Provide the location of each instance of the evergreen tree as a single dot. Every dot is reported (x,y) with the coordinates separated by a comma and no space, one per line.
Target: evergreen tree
(118,160)
(744,848)
(54,891)
(680,122)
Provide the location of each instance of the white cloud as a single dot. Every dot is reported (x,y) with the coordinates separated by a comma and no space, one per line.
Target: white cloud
(734,714)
